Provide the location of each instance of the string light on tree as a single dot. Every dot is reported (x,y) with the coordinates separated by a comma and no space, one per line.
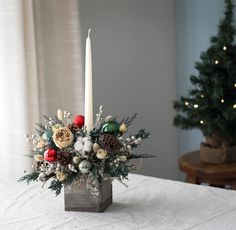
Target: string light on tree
(201,122)
(235,85)
(186,103)
(234,106)
(195,106)
(216,62)
(222,100)
(224,48)
(202,96)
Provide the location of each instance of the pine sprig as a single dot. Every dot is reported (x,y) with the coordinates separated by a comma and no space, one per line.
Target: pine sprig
(143,134)
(29,177)
(56,186)
(128,121)
(138,156)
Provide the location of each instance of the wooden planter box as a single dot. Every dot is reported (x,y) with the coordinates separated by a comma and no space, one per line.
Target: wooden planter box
(79,198)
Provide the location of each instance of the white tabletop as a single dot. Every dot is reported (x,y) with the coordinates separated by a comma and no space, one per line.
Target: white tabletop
(148,203)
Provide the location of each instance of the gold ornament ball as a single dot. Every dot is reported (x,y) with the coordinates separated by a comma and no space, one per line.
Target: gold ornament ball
(38,158)
(101,154)
(96,147)
(61,176)
(123,128)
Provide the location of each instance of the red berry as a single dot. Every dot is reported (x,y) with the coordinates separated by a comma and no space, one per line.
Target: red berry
(79,121)
(50,155)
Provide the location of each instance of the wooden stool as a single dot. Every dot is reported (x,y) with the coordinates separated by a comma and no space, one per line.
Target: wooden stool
(221,175)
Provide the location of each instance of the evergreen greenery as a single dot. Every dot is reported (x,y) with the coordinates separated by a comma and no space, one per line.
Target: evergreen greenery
(211,105)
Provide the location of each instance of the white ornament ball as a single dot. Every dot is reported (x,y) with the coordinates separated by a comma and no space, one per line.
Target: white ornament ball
(137,142)
(128,139)
(76,159)
(96,147)
(133,138)
(140,139)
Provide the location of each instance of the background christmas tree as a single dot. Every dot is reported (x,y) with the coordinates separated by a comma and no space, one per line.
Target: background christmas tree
(211,104)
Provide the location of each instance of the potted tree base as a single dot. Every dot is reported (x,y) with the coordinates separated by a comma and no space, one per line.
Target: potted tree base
(218,155)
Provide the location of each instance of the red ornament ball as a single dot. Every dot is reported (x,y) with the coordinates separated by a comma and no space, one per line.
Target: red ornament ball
(50,155)
(79,121)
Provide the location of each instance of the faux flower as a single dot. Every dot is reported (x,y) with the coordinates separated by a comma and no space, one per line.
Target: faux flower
(50,155)
(83,145)
(61,176)
(101,154)
(63,137)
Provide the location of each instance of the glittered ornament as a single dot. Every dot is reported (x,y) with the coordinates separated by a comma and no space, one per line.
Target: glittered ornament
(64,158)
(79,121)
(85,167)
(111,127)
(50,155)
(110,142)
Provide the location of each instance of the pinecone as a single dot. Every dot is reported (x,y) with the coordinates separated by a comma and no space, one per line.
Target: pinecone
(64,158)
(110,142)
(73,128)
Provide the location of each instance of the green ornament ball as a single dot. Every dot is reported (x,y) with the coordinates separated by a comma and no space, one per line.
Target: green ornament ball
(85,166)
(111,127)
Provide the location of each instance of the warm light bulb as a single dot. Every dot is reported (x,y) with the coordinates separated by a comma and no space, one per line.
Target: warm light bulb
(216,62)
(202,96)
(224,48)
(222,100)
(195,106)
(234,106)
(202,122)
(186,103)
(235,85)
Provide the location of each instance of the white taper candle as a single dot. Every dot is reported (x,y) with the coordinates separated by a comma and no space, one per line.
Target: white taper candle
(88,85)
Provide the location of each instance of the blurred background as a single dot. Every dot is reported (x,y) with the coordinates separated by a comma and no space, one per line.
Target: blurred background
(143,54)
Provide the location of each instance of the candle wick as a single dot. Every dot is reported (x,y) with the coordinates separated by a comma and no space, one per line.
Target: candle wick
(89,32)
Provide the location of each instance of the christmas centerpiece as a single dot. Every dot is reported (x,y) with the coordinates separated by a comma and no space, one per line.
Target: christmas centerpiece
(211,105)
(68,155)
(83,157)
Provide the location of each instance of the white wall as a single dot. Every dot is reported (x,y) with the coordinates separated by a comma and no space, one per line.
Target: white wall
(135,70)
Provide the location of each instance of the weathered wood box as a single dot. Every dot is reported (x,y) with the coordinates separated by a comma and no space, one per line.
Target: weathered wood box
(79,198)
